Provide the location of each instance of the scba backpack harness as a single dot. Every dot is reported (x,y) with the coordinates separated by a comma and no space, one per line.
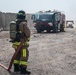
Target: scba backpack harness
(15,33)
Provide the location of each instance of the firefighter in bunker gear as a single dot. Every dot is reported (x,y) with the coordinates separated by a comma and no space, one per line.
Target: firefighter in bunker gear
(23,33)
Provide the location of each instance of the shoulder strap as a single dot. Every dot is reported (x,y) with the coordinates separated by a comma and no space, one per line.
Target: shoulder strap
(18,21)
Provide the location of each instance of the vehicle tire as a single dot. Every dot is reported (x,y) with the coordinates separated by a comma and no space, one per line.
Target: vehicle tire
(55,29)
(48,30)
(62,28)
(38,30)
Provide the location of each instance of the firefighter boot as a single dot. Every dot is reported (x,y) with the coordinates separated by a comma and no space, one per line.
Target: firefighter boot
(24,71)
(16,68)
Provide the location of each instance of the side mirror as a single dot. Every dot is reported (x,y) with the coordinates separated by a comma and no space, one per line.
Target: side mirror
(33,17)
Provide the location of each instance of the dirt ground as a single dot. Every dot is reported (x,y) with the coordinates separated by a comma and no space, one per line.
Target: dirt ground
(49,53)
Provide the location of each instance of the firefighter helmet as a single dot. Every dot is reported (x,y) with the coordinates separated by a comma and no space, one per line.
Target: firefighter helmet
(21,14)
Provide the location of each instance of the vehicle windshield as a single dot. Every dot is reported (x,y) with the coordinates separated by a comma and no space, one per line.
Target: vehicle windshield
(43,17)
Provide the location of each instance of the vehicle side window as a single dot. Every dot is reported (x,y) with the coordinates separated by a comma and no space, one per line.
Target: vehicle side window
(36,16)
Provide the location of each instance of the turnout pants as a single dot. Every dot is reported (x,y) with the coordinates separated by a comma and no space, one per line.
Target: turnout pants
(23,54)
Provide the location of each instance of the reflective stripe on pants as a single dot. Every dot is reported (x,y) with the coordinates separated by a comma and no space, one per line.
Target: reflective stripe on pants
(23,63)
(24,52)
(15,44)
(16,62)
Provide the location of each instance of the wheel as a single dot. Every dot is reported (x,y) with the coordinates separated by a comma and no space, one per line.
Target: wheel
(48,30)
(38,30)
(62,28)
(55,29)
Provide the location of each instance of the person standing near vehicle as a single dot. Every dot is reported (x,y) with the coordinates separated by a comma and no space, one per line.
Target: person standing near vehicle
(23,33)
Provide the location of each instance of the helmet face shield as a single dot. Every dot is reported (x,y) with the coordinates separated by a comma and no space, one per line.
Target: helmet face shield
(21,15)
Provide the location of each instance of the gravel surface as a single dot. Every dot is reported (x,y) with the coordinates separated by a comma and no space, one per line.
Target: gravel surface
(49,53)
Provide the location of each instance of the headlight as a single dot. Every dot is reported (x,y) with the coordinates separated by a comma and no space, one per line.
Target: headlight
(50,24)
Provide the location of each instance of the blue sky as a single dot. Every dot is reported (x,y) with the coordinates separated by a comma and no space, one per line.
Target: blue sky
(32,6)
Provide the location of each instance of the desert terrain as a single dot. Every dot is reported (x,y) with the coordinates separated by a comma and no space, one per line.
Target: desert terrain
(49,53)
